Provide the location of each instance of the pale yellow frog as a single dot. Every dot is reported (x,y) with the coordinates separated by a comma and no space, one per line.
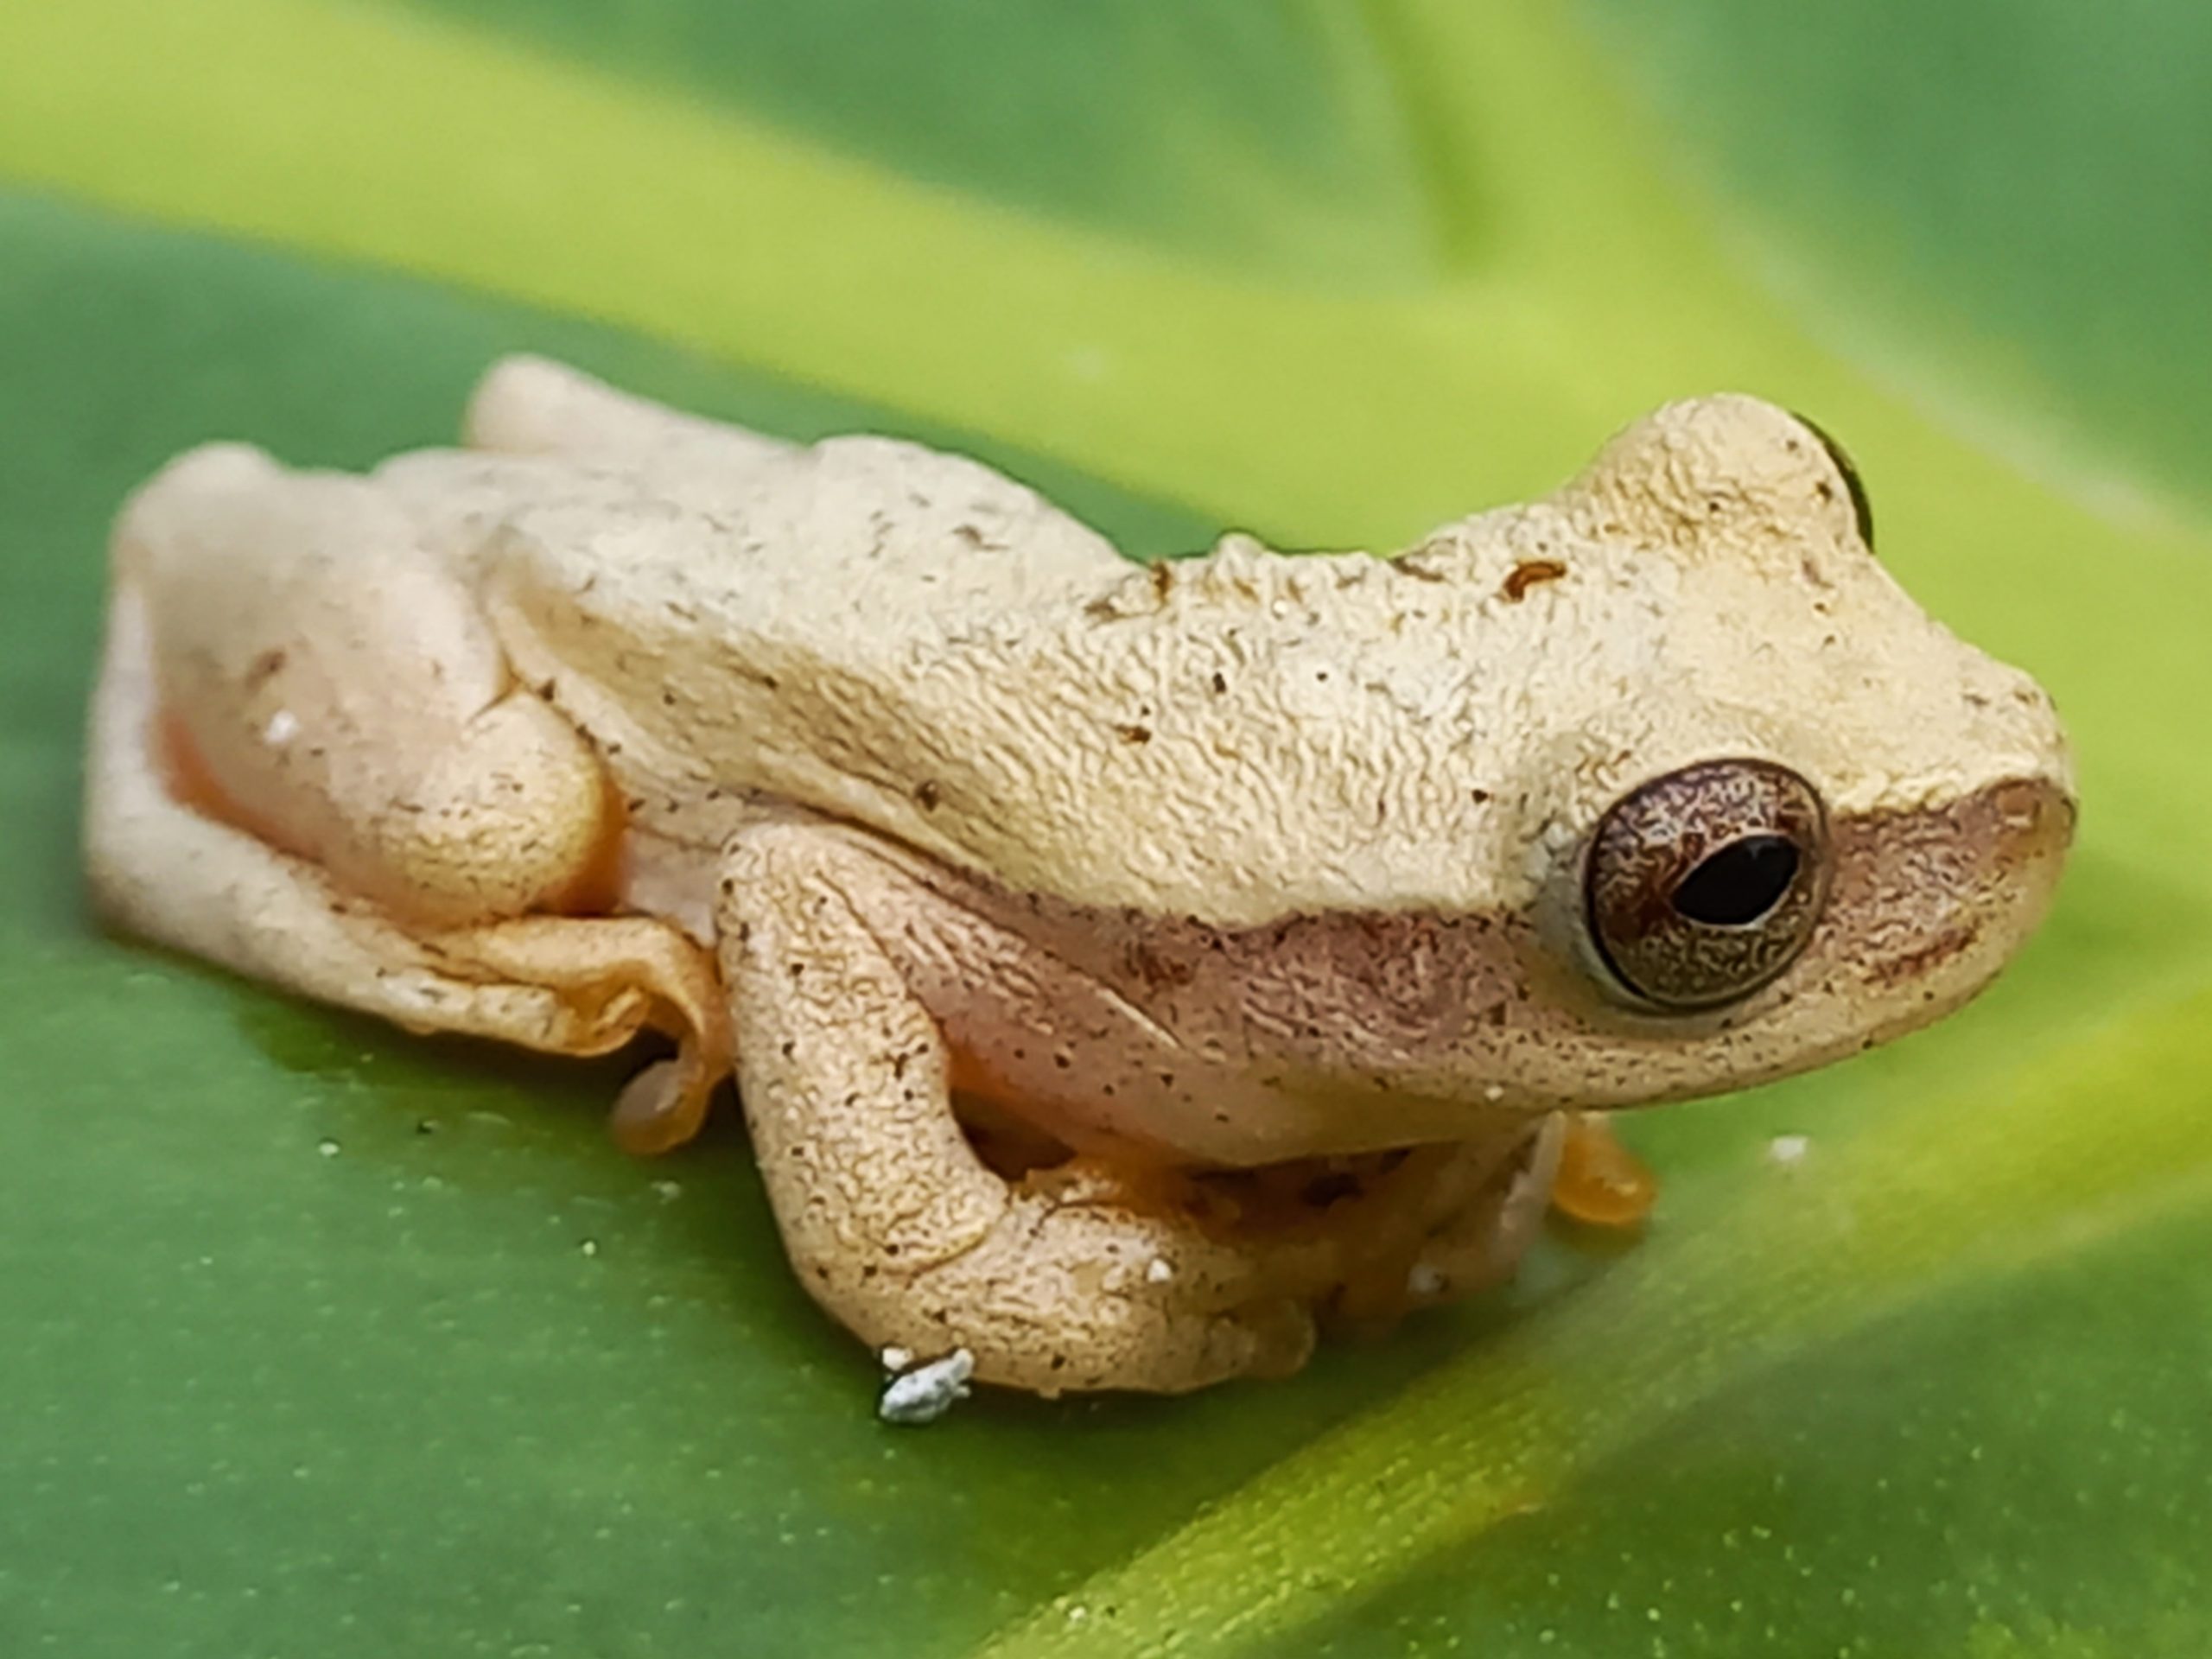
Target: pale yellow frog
(1123,968)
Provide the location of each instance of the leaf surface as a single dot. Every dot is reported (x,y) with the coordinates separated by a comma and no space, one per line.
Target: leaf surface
(329,1339)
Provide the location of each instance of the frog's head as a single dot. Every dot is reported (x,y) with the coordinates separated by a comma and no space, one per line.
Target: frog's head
(1657,787)
(1818,820)
(1754,809)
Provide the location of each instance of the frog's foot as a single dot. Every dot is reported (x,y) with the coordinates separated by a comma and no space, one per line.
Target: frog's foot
(1479,1215)
(1068,1278)
(166,858)
(1480,1243)
(1601,1183)
(1394,1231)
(1091,1279)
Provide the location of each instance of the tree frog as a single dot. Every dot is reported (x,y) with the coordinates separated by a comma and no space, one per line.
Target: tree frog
(1126,970)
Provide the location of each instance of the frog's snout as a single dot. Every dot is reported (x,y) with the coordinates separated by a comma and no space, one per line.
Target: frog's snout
(1942,896)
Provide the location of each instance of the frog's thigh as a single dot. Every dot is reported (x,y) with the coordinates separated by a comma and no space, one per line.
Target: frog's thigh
(336,690)
(527,405)
(893,1223)
(159,868)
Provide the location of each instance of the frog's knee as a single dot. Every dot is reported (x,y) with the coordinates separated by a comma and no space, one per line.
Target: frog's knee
(183,491)
(525,404)
(208,469)
(533,405)
(528,405)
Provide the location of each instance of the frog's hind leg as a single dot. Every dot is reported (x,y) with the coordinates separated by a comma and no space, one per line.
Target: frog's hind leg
(330,680)
(254,741)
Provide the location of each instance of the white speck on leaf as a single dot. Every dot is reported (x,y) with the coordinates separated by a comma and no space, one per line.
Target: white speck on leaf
(328,1148)
(1788,1150)
(927,1392)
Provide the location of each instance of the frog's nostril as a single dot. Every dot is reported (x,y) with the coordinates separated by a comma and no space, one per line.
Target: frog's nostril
(2034,822)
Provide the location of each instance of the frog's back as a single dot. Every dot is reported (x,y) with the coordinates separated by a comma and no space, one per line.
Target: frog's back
(767,622)
(862,533)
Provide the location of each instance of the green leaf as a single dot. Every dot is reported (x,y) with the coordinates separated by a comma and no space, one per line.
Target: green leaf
(1271,136)
(2016,195)
(327,1339)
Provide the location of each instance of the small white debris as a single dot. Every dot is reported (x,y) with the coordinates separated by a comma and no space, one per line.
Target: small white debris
(1077,1613)
(1159,1270)
(589,1247)
(1788,1150)
(927,1392)
(1494,1091)
(328,1148)
(283,726)
(1424,1281)
(896,1360)
(668,1192)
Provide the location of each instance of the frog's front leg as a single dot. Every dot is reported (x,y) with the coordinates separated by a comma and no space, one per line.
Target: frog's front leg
(1066,1279)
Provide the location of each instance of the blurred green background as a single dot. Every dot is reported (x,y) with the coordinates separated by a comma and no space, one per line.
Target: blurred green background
(323,1340)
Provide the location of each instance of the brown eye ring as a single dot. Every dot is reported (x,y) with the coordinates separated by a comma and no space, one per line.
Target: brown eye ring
(1702,885)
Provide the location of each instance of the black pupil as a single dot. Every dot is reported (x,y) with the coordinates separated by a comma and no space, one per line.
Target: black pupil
(1740,883)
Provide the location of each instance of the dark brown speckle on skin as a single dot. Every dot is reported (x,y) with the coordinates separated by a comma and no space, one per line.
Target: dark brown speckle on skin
(1406,565)
(1527,574)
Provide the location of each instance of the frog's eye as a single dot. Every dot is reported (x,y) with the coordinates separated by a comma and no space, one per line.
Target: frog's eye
(1703,885)
(1841,457)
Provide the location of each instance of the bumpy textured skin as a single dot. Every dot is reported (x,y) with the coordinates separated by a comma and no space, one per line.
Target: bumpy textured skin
(1241,894)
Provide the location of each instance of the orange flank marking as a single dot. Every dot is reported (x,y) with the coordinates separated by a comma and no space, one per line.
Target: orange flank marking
(1601,1183)
(191,783)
